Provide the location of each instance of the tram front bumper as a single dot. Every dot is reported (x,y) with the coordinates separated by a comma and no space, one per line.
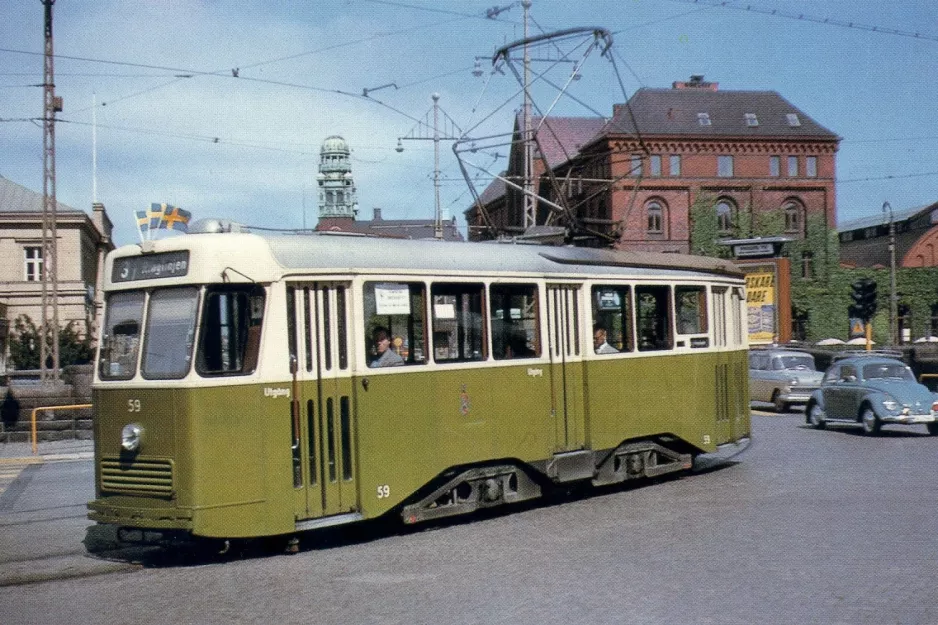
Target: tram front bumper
(140,517)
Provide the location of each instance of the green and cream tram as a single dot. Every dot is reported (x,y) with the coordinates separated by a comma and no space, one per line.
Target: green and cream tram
(240,391)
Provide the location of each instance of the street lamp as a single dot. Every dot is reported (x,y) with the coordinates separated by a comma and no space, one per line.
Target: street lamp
(893,303)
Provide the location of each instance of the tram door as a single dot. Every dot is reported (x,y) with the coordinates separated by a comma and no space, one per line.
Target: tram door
(729,378)
(324,455)
(564,342)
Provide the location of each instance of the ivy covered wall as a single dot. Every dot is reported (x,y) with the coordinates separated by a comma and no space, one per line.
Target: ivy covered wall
(821,298)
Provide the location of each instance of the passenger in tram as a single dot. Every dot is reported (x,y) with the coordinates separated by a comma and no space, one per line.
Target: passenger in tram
(600,346)
(386,357)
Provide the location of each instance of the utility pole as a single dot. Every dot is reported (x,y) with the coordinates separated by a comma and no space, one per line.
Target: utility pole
(530,202)
(421,132)
(893,298)
(52,104)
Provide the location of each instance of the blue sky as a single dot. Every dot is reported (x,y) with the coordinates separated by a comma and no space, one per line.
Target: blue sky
(174,125)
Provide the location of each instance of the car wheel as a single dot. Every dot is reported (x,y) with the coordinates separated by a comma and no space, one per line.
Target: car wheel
(871,423)
(816,417)
(780,406)
(933,428)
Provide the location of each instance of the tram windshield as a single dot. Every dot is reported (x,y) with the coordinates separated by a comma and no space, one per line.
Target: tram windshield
(159,328)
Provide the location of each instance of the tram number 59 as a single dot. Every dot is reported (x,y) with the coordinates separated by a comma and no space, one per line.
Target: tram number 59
(133,405)
(384,491)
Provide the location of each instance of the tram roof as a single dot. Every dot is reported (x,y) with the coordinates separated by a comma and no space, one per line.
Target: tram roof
(353,254)
(321,251)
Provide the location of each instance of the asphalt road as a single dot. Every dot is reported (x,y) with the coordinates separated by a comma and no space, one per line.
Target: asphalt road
(805,527)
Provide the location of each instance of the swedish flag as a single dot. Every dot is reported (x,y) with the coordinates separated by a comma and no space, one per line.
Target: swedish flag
(149,220)
(174,218)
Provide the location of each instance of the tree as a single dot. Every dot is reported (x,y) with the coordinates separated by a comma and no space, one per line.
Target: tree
(74,349)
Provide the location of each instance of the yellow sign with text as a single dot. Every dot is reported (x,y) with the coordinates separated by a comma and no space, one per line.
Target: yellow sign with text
(760,304)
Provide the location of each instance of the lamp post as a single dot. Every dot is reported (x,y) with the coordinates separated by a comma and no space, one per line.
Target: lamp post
(893,303)
(425,132)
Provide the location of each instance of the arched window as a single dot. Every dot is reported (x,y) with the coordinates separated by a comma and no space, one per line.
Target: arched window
(725,213)
(794,213)
(655,217)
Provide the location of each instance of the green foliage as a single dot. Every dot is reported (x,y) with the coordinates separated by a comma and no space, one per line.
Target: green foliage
(25,348)
(704,236)
(823,297)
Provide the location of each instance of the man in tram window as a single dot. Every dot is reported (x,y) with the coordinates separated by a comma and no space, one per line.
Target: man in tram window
(386,357)
(600,346)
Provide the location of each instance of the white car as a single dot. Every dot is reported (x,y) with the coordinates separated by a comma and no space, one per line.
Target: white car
(782,376)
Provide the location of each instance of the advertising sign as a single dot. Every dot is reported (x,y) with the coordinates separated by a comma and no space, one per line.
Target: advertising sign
(760,305)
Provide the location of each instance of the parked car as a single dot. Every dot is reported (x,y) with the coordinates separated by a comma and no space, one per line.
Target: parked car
(872,390)
(782,376)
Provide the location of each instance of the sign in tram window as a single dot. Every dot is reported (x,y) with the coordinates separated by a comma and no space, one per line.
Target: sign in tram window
(395,323)
(612,319)
(653,307)
(231,330)
(457,322)
(513,320)
(691,304)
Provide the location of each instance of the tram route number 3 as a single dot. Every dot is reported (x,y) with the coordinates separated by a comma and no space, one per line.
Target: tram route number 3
(384,491)
(133,405)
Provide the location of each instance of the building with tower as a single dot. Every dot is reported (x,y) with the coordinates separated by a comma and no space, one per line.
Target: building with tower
(338,202)
(337,195)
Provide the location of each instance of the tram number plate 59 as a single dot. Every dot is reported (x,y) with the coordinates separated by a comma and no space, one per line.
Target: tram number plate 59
(384,491)
(133,405)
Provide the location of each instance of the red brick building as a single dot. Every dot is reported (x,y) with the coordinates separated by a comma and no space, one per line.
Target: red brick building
(631,181)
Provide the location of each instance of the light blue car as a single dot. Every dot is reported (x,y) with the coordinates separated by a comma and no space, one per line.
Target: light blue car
(872,391)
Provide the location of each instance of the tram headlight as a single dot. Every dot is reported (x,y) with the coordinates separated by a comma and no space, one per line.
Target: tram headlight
(131,437)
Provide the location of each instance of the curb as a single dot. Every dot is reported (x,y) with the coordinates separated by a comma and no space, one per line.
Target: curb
(65,457)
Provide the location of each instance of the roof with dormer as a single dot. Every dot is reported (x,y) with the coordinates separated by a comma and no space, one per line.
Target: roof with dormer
(678,112)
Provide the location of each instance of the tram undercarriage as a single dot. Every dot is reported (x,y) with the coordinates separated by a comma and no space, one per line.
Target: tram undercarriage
(473,488)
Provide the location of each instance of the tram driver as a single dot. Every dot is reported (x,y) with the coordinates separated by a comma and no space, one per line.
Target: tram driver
(385,356)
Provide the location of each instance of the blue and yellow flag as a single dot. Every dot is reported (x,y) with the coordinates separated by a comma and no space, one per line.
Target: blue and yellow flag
(147,221)
(174,218)
(161,216)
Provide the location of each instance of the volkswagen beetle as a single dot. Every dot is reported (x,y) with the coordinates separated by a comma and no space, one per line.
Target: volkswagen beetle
(872,390)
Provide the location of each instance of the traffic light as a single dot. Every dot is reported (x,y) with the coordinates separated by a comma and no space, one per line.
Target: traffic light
(864,298)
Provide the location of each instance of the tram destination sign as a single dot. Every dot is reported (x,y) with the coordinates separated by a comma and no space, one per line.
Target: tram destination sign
(151,266)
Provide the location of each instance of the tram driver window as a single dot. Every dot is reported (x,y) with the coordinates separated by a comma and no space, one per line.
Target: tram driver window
(691,304)
(612,316)
(457,322)
(398,309)
(513,318)
(653,305)
(120,340)
(231,330)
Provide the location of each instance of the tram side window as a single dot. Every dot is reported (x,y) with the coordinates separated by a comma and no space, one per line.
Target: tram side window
(457,322)
(691,304)
(653,305)
(514,321)
(120,341)
(612,315)
(231,330)
(397,309)
(170,332)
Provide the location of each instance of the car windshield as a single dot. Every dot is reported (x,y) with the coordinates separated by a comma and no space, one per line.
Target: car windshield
(891,371)
(793,362)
